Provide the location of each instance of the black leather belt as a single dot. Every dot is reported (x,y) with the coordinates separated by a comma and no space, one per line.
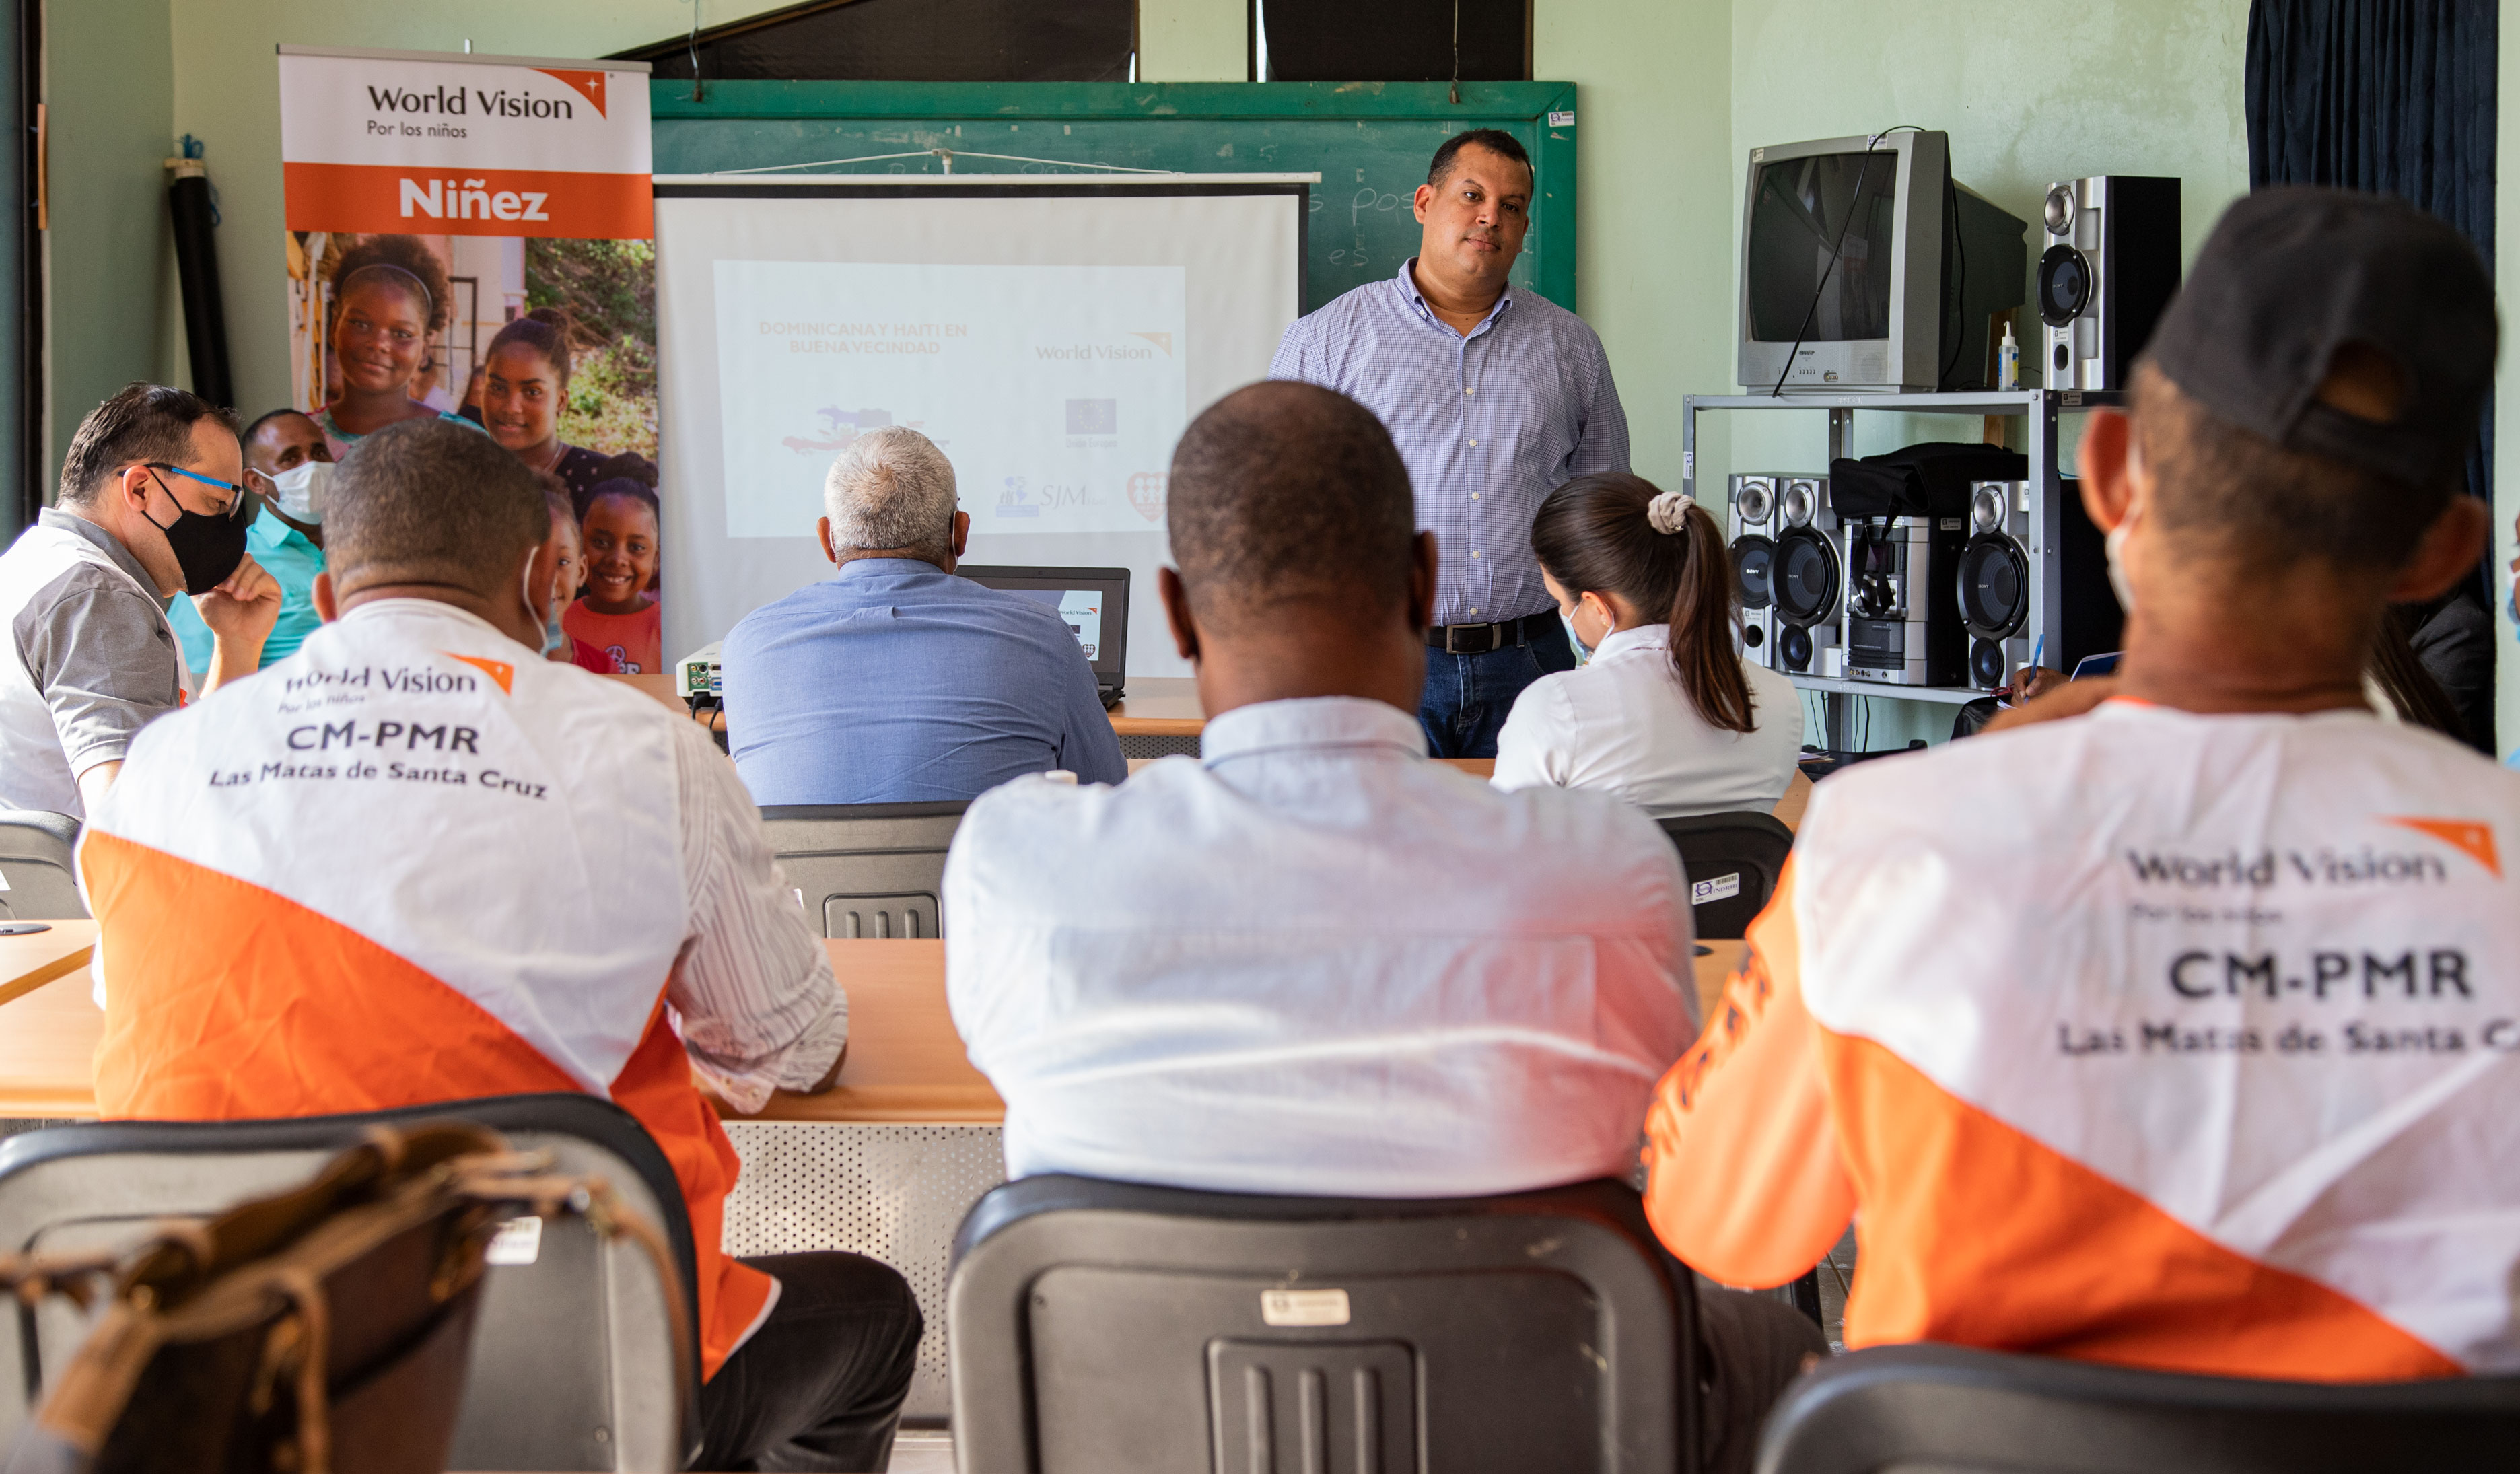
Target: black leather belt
(1480,639)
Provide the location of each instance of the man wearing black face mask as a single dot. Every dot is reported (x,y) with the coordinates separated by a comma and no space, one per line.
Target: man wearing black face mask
(151,506)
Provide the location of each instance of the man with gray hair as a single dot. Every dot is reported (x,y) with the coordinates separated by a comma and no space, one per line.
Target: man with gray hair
(895,682)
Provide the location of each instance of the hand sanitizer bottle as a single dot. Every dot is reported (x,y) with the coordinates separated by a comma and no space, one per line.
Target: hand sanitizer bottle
(2007,363)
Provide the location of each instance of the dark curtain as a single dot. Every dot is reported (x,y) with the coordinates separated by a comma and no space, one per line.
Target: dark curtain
(2391,96)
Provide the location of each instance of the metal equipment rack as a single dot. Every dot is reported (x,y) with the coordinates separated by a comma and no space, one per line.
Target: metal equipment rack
(2038,407)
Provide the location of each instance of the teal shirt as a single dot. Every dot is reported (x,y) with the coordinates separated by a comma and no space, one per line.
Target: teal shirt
(293,561)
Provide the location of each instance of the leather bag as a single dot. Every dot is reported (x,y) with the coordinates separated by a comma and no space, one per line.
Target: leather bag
(325,1329)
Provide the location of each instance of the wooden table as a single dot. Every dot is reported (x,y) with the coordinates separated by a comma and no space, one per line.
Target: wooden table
(904,1063)
(27,963)
(1159,706)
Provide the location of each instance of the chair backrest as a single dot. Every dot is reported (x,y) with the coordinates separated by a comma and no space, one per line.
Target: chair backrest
(1732,862)
(38,878)
(572,1360)
(1922,1410)
(866,870)
(1099,1326)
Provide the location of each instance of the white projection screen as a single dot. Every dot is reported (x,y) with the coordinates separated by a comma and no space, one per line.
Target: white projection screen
(1052,336)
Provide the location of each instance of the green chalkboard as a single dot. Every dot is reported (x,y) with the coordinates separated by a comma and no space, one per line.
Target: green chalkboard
(1369,141)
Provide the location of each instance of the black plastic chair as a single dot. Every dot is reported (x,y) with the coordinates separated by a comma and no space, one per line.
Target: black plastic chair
(1918,1410)
(1732,862)
(572,1359)
(38,876)
(1101,1325)
(866,870)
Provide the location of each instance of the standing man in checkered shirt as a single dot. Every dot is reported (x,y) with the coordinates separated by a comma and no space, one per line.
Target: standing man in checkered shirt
(1496,396)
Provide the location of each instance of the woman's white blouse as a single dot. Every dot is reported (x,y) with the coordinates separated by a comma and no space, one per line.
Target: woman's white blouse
(1622,724)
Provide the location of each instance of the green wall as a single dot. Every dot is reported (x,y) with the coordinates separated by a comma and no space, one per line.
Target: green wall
(109,254)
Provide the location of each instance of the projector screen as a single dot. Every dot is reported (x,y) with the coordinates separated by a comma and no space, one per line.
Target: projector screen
(1052,338)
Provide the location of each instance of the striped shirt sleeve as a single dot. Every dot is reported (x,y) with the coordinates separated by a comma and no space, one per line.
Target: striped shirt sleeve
(1601,445)
(757,1005)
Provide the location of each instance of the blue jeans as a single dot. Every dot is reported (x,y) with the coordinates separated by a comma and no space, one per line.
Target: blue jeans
(1468,697)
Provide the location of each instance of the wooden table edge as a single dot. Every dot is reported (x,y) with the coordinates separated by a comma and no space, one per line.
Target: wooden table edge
(60,967)
(1129,726)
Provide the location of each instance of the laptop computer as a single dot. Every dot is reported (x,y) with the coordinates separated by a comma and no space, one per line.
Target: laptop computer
(1095,604)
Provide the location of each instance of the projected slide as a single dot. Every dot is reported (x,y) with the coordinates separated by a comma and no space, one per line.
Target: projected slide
(1057,391)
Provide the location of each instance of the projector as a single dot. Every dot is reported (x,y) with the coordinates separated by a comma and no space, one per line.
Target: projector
(696,676)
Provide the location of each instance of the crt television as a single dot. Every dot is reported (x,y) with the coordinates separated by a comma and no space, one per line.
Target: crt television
(1864,268)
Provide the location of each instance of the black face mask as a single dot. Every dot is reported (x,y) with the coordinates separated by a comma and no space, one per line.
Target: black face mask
(206,548)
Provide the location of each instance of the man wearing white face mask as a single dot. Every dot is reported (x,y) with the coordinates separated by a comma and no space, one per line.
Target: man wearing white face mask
(287,466)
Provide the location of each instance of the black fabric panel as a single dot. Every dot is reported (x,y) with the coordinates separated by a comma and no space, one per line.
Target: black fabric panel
(920,41)
(1396,40)
(2397,97)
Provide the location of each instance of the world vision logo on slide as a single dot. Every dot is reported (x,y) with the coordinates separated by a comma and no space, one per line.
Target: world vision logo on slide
(2468,838)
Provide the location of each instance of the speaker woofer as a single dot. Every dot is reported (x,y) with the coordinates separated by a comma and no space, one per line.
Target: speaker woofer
(1994,587)
(1986,664)
(1804,578)
(1794,647)
(2064,286)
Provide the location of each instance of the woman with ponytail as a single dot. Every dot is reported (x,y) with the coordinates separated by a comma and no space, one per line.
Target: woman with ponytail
(1664,713)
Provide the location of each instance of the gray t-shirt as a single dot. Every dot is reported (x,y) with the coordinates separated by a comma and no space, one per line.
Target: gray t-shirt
(99,650)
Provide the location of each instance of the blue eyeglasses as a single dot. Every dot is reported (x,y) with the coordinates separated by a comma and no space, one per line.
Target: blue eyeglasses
(236,504)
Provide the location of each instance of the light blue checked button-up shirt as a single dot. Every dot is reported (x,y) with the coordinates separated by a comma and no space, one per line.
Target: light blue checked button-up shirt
(1488,425)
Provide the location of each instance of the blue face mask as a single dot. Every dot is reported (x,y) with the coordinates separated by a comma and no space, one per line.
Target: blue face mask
(1583,651)
(555,639)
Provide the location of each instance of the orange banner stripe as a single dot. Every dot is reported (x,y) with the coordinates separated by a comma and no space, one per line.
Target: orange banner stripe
(373,199)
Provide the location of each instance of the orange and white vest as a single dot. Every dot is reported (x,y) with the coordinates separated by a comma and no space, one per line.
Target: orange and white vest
(412,863)
(2150,1038)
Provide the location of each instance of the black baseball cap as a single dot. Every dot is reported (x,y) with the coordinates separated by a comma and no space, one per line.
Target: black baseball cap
(2293,274)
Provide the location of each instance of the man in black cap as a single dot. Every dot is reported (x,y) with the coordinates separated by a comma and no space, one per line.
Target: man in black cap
(2179,1032)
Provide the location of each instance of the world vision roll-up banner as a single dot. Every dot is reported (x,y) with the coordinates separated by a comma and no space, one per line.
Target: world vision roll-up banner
(474,236)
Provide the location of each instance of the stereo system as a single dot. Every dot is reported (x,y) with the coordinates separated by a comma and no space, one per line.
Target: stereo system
(1752,523)
(2111,265)
(1917,601)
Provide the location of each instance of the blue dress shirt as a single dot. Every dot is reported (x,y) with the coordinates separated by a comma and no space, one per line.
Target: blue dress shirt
(293,561)
(894,682)
(1488,425)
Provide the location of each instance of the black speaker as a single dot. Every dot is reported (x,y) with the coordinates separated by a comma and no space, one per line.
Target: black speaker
(2005,570)
(2112,266)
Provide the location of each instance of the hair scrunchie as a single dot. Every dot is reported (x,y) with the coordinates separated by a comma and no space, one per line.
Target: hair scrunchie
(1668,513)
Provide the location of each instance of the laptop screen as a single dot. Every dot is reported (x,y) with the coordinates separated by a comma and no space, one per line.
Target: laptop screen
(1094,602)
